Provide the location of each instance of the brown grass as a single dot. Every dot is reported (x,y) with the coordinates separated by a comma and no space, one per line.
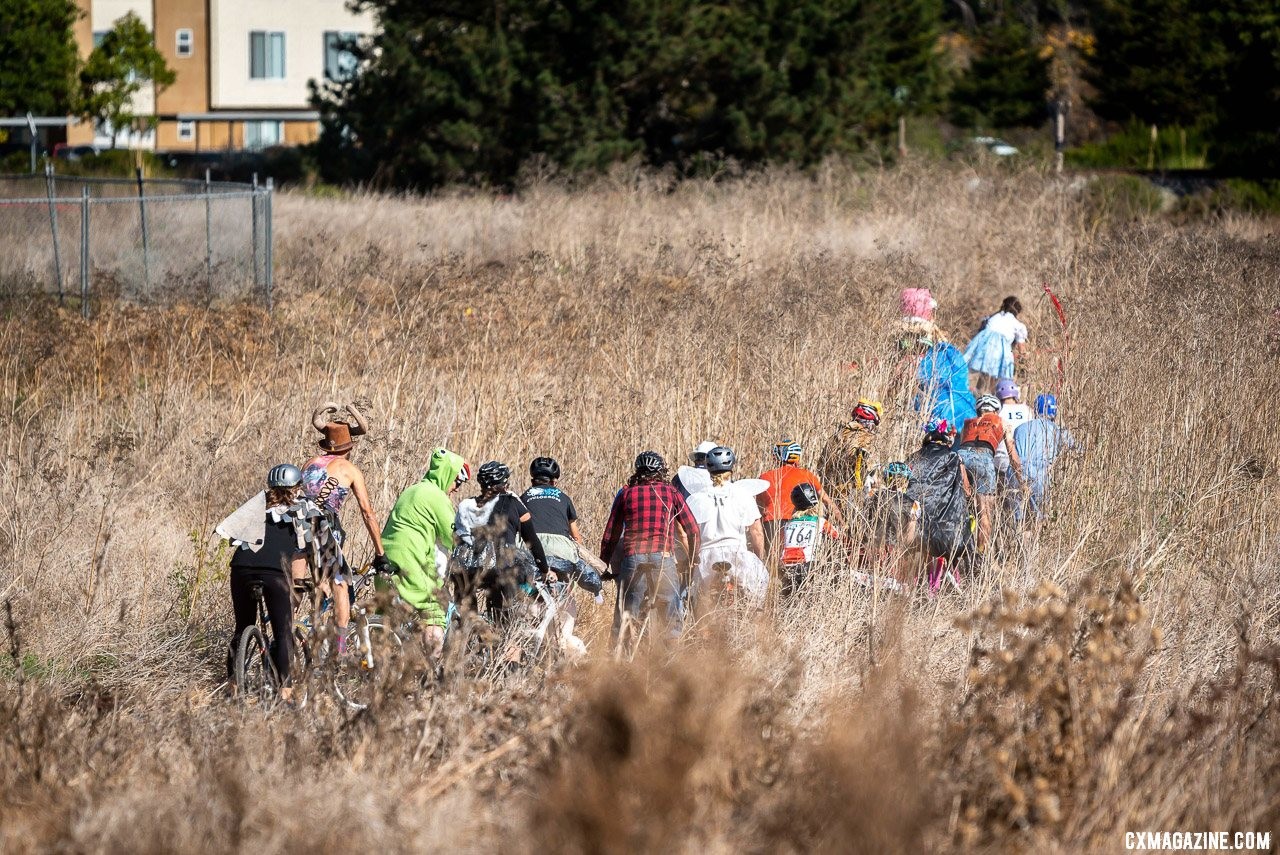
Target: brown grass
(1125,679)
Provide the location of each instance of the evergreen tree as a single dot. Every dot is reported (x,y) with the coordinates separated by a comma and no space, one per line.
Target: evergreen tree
(1007,83)
(37,56)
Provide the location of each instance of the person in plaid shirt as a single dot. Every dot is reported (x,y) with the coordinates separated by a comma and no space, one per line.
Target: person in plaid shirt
(639,543)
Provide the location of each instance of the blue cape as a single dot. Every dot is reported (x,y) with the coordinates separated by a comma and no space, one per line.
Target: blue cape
(944,386)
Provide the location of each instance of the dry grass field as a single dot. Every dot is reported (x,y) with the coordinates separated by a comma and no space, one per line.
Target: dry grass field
(1117,671)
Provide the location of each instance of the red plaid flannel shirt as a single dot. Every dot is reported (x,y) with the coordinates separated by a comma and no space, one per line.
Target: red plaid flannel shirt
(644,518)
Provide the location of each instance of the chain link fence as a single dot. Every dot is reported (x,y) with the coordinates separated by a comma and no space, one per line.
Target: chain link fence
(146,239)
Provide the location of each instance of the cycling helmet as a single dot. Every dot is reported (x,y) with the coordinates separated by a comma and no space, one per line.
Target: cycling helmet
(1047,405)
(650,463)
(868,411)
(284,476)
(721,459)
(804,496)
(493,474)
(897,471)
(787,450)
(698,457)
(937,426)
(544,467)
(988,404)
(1007,389)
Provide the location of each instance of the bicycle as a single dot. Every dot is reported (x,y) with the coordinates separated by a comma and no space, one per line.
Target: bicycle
(255,674)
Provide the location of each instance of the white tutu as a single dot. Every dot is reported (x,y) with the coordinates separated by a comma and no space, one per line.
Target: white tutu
(745,568)
(990,353)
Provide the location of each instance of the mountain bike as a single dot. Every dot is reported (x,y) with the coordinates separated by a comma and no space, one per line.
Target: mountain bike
(255,675)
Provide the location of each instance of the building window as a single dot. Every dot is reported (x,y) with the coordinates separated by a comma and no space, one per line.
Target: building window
(186,131)
(260,135)
(186,43)
(339,62)
(98,36)
(266,55)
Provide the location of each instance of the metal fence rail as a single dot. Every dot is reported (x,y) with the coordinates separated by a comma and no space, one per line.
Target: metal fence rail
(141,238)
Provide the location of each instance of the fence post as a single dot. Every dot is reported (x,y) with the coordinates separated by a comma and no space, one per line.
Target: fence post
(53,227)
(142,218)
(208,234)
(267,240)
(84,252)
(254,222)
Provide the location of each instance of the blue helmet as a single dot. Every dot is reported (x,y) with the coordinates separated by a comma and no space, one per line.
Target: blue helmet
(1047,405)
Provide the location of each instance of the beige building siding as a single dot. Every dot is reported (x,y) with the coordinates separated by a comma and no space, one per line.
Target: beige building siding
(190,91)
(304,23)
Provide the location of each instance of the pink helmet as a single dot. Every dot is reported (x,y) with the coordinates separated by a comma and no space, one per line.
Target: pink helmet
(1007,389)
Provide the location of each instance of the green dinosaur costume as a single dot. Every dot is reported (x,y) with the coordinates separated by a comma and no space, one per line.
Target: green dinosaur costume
(422,519)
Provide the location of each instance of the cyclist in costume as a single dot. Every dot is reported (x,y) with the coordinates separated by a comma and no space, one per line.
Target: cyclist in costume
(802,536)
(775,502)
(894,519)
(329,480)
(979,440)
(1014,414)
(270,534)
(639,543)
(991,353)
(497,530)
(1040,442)
(555,520)
(729,526)
(418,536)
(843,462)
(940,484)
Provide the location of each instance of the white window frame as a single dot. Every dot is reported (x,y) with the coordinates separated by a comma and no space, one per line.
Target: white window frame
(339,35)
(184,43)
(186,131)
(258,125)
(268,71)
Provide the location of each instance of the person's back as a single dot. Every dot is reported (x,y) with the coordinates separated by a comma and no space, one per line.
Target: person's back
(938,485)
(891,514)
(801,538)
(1039,442)
(775,502)
(1013,415)
(419,530)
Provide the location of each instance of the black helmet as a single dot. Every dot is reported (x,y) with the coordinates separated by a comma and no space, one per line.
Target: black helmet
(804,496)
(544,467)
(493,474)
(650,463)
(721,459)
(284,476)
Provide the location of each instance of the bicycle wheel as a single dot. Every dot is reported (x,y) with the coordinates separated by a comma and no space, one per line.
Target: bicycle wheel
(371,645)
(253,673)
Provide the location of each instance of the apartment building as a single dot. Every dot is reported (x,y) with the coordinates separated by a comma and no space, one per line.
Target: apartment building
(242,68)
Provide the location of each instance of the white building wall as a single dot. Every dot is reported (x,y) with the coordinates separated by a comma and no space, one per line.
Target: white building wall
(304,23)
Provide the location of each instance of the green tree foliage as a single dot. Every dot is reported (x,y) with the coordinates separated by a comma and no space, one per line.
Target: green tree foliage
(37,56)
(1214,66)
(465,91)
(118,68)
(1006,84)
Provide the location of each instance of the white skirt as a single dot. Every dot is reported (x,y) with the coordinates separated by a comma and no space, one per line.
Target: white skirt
(745,568)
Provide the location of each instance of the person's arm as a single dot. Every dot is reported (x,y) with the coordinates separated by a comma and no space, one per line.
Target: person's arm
(366,508)
(612,529)
(531,540)
(693,534)
(1015,462)
(832,508)
(755,539)
(576,532)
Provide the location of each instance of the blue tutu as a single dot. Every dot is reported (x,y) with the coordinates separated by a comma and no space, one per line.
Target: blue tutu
(990,353)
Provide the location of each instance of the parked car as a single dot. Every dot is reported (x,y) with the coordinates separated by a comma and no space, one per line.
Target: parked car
(996,146)
(62,151)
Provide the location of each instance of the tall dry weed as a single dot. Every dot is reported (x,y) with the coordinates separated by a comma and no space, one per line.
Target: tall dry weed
(592,323)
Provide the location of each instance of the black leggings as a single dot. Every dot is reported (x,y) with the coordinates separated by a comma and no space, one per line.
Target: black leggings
(276,591)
